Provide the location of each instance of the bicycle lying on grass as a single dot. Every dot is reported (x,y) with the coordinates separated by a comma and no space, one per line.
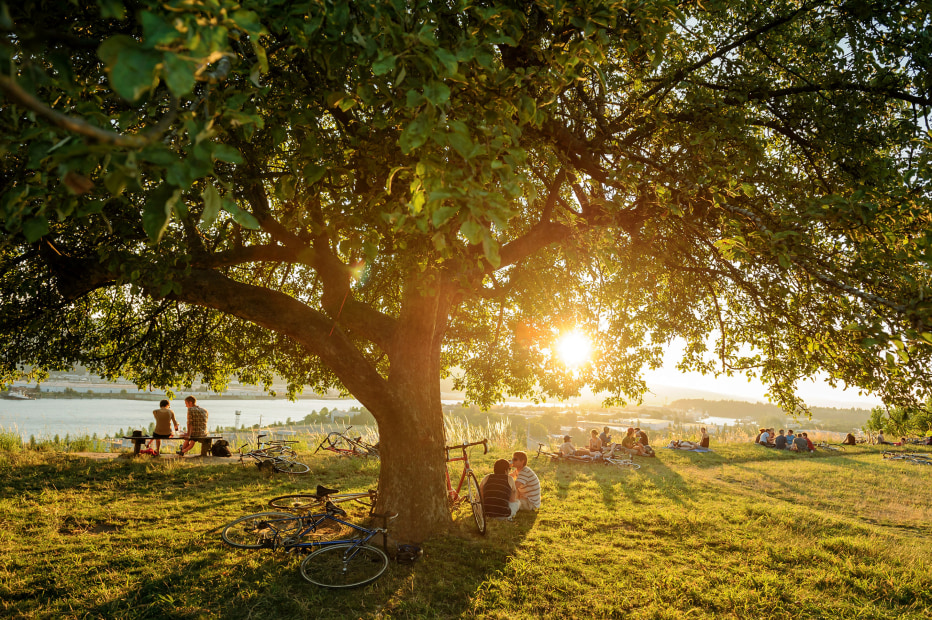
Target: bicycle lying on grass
(304,502)
(338,563)
(611,458)
(831,447)
(470,493)
(912,457)
(344,445)
(277,455)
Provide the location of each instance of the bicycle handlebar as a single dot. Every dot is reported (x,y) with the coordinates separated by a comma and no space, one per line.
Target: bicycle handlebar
(484,443)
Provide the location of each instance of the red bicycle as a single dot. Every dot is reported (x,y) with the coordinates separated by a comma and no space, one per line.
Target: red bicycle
(471,490)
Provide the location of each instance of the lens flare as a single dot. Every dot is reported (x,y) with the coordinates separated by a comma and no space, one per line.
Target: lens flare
(574,349)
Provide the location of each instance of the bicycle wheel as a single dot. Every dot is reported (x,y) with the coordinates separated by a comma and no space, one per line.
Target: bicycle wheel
(290,467)
(344,565)
(263,529)
(297,502)
(622,464)
(475,501)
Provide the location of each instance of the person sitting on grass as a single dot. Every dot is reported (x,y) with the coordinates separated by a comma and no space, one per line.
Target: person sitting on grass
(789,439)
(766,438)
(809,445)
(164,418)
(197,425)
(631,445)
(799,444)
(606,437)
(595,444)
(526,481)
(567,448)
(703,438)
(759,433)
(849,440)
(498,492)
(779,442)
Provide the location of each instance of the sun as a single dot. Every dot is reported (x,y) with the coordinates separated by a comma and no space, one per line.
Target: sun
(574,349)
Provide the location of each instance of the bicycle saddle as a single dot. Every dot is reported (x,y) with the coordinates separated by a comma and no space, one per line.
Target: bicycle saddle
(333,509)
(323,491)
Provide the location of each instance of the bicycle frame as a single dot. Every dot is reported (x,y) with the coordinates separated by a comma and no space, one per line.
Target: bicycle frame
(454,494)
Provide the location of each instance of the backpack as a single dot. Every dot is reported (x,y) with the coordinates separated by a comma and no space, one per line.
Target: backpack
(221,447)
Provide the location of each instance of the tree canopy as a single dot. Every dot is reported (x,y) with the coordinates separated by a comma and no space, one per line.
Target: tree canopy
(368,195)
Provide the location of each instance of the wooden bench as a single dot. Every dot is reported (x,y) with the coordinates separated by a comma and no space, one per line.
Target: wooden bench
(206,442)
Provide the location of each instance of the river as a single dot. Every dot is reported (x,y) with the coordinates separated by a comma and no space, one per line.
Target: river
(48,417)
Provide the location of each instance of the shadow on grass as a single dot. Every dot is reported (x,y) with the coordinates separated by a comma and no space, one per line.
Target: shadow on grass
(161,522)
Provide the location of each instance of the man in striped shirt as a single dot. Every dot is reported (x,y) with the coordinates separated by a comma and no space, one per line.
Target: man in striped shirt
(527,482)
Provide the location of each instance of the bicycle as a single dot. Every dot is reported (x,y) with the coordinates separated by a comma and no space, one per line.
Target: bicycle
(303,502)
(823,445)
(344,445)
(912,457)
(277,455)
(454,496)
(337,564)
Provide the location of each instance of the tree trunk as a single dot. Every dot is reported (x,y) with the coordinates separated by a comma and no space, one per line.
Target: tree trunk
(411,480)
(410,418)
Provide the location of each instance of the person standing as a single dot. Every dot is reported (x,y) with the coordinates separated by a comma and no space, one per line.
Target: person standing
(197,424)
(164,418)
(526,482)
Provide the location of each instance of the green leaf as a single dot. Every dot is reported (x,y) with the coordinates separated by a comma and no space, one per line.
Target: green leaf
(472,231)
(313,173)
(248,21)
(416,133)
(112,9)
(442,215)
(132,68)
(437,93)
(158,209)
(35,228)
(241,217)
(156,31)
(391,176)
(448,60)
(211,198)
(384,63)
(178,74)
(227,153)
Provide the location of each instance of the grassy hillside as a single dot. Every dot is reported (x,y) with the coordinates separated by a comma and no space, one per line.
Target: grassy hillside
(740,533)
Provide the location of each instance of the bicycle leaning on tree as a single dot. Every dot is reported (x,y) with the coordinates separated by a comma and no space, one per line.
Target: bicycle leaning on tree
(468,487)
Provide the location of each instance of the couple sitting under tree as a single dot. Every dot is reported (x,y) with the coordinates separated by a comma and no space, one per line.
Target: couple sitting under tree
(503,494)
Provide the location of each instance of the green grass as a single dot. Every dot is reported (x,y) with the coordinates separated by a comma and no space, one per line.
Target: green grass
(740,533)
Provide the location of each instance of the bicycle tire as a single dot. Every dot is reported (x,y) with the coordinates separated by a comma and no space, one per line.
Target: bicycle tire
(623,464)
(290,467)
(475,501)
(327,568)
(296,502)
(256,532)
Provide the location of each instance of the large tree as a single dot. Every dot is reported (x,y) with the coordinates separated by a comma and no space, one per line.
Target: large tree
(366,195)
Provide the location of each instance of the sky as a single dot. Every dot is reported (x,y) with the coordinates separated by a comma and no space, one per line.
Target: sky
(815,393)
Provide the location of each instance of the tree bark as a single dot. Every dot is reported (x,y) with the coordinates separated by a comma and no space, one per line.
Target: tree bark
(410,418)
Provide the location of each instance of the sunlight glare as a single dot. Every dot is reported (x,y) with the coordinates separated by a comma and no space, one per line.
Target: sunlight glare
(574,349)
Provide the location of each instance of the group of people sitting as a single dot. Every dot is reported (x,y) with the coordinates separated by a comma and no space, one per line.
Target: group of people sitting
(923,441)
(789,441)
(634,443)
(512,486)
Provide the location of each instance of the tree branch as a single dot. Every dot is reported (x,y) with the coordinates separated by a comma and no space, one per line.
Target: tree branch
(79,126)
